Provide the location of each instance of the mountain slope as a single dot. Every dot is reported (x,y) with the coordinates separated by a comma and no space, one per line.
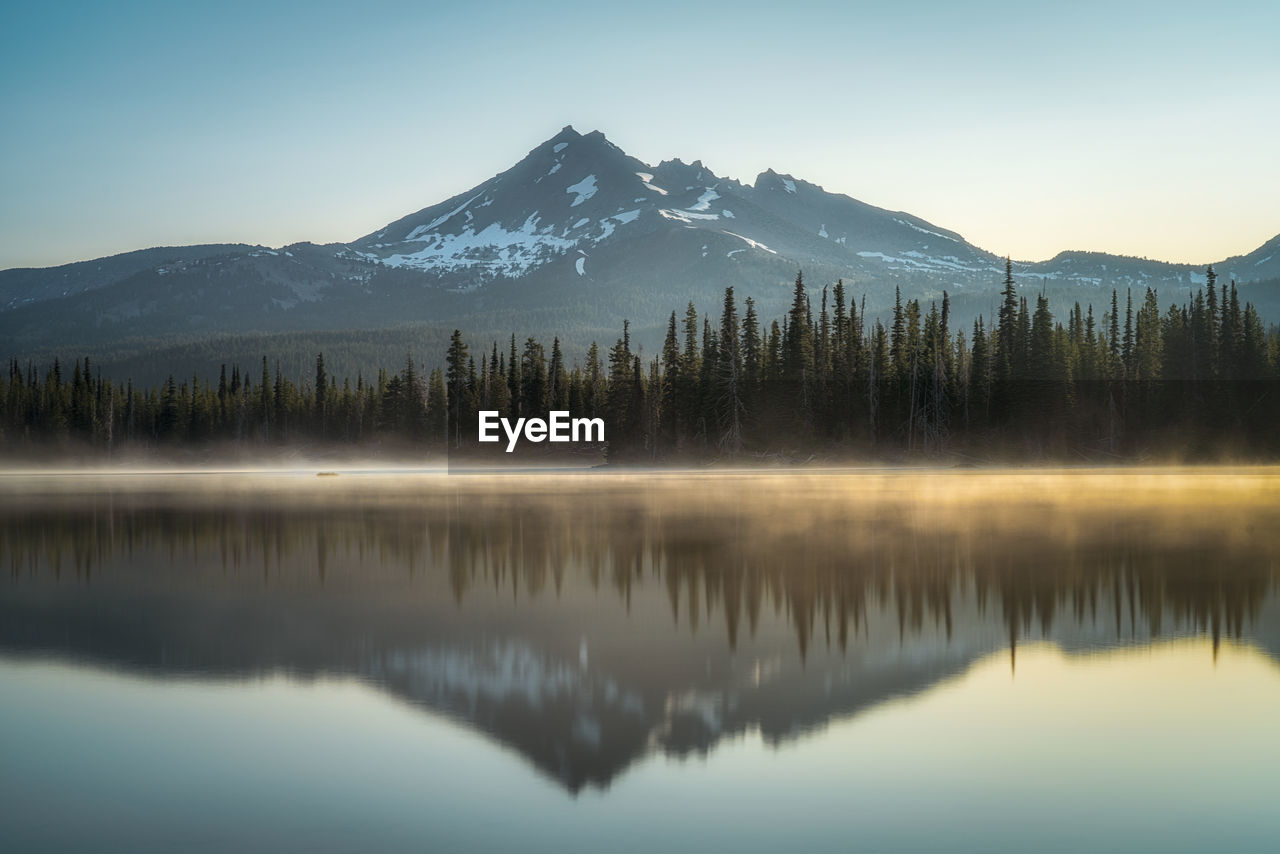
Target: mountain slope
(22,285)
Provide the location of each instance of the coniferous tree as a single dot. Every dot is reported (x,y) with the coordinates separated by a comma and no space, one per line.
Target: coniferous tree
(752,363)
(533,375)
(1127,350)
(669,424)
(456,377)
(619,406)
(727,394)
(557,379)
(500,394)
(1146,342)
(797,356)
(1113,333)
(515,382)
(1212,321)
(321,389)
(265,401)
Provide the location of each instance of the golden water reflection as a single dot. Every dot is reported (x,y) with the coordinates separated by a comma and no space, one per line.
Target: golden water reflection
(587,620)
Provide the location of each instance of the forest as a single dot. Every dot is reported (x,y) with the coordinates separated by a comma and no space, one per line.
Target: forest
(1129,380)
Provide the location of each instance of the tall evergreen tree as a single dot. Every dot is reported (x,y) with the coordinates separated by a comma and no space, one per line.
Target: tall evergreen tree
(456,377)
(669,421)
(797,358)
(727,396)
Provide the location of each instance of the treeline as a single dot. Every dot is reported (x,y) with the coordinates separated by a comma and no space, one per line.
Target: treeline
(1198,379)
(86,408)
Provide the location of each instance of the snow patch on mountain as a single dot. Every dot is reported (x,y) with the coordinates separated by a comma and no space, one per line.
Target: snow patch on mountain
(609,223)
(924,230)
(495,249)
(441,220)
(755,244)
(686,216)
(583,190)
(646,178)
(704,201)
(914,259)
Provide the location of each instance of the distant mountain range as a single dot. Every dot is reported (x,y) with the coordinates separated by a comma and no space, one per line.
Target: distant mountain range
(572,239)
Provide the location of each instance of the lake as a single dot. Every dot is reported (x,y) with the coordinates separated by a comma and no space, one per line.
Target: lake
(909,660)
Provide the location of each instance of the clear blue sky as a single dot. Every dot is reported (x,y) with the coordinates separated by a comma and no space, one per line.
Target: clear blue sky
(1141,128)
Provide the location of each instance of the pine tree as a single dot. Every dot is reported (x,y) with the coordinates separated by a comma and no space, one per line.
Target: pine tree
(668,419)
(1232,327)
(557,379)
(688,388)
(1006,350)
(728,404)
(533,374)
(752,357)
(1127,350)
(1041,350)
(322,387)
(620,428)
(265,404)
(411,413)
(1213,321)
(1113,333)
(499,394)
(515,382)
(1147,354)
(898,337)
(797,359)
(456,377)
(979,397)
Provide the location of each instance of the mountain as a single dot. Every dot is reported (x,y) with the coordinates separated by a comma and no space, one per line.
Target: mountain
(574,194)
(572,239)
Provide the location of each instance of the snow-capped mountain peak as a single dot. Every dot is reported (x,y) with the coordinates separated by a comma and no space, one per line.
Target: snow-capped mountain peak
(569,193)
(575,193)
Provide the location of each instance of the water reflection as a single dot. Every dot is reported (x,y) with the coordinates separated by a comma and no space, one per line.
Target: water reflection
(587,621)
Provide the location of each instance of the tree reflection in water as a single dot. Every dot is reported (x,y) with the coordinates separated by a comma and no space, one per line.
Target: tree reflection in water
(587,619)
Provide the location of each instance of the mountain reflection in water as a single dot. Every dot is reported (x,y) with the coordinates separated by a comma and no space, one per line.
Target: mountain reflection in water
(589,620)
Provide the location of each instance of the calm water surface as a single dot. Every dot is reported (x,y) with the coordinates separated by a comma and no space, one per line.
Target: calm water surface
(875,661)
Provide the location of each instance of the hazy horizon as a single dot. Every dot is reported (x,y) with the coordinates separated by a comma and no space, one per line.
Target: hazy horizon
(1134,131)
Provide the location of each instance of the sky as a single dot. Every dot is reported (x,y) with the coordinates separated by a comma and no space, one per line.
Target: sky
(1147,129)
